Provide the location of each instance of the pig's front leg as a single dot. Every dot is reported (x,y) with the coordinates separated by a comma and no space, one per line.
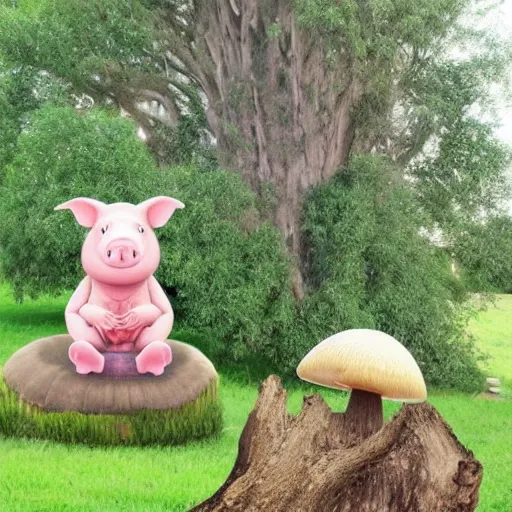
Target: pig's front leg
(86,350)
(140,316)
(154,353)
(99,317)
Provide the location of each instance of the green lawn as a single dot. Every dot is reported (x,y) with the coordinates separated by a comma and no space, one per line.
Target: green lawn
(42,476)
(493,331)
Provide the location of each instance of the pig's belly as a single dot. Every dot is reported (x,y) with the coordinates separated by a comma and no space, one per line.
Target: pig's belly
(120,340)
(121,336)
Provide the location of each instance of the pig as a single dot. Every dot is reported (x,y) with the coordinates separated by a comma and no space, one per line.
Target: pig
(119,306)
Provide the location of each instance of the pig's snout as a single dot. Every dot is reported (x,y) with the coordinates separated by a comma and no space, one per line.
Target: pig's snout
(122,253)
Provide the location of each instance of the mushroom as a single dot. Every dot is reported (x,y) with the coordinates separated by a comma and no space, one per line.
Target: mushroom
(372,364)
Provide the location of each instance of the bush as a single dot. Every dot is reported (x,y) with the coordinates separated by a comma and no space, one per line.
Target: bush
(369,267)
(22,90)
(60,155)
(483,252)
(227,270)
(8,133)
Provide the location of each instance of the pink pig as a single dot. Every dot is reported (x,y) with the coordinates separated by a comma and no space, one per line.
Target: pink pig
(119,306)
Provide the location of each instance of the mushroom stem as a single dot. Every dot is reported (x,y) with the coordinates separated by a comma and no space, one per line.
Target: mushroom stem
(364,413)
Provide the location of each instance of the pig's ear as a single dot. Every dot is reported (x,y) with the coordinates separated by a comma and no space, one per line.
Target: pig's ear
(158,210)
(85,210)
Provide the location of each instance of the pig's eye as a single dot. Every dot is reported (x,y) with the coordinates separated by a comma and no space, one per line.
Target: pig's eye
(104,230)
(141,229)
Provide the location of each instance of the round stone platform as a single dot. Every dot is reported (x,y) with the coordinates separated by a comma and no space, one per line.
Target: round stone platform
(41,374)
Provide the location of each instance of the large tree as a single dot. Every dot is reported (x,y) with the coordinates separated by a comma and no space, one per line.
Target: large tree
(288,86)
(289,91)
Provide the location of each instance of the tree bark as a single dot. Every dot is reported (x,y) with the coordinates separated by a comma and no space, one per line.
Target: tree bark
(311,462)
(281,116)
(279,112)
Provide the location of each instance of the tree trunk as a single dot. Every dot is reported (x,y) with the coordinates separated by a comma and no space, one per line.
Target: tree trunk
(311,462)
(280,114)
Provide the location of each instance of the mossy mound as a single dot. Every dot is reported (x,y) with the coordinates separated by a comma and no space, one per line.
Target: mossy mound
(41,396)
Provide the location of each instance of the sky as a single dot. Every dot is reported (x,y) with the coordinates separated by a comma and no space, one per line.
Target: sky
(500,22)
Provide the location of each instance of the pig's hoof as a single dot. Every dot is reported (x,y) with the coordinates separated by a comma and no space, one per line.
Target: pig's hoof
(154,358)
(86,358)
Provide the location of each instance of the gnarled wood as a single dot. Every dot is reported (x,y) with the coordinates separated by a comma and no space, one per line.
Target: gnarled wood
(312,462)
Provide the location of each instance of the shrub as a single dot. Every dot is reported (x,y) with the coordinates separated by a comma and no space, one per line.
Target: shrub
(227,270)
(22,90)
(483,252)
(370,267)
(60,155)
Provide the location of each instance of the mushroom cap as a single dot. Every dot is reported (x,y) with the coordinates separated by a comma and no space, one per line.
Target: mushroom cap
(368,360)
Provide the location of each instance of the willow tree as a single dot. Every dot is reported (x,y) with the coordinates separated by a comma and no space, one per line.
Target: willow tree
(288,87)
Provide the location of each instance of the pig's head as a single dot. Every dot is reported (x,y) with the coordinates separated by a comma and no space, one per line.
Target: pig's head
(121,248)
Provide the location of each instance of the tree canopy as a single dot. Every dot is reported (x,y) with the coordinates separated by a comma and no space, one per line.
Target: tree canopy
(286,89)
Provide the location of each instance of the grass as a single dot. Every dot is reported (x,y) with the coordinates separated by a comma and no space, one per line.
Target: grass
(43,476)
(493,331)
(195,420)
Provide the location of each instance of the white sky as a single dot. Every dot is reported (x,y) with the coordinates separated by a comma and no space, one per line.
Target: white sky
(500,22)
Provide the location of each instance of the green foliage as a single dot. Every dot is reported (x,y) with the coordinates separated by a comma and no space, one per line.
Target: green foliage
(434,97)
(75,40)
(467,176)
(62,154)
(108,51)
(22,90)
(8,133)
(373,34)
(274,31)
(400,55)
(446,89)
(15,99)
(461,178)
(371,268)
(366,26)
(228,271)
(484,252)
(195,420)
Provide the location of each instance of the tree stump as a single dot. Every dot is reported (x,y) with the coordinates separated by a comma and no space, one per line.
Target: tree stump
(312,462)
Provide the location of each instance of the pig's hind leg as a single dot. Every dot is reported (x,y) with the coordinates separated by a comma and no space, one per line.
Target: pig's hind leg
(86,357)
(153,358)
(154,354)
(85,352)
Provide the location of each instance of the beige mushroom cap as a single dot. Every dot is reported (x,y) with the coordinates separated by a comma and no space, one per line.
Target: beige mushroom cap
(368,360)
